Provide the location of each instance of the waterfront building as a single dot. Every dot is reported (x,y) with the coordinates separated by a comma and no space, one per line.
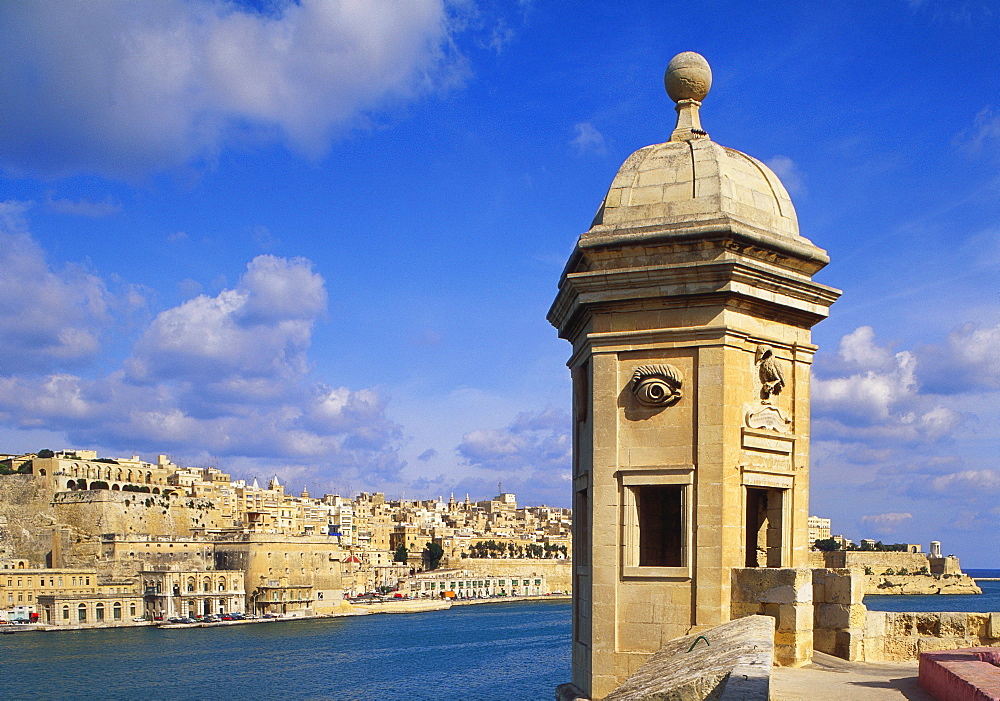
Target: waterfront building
(113,604)
(285,575)
(67,596)
(197,593)
(465,584)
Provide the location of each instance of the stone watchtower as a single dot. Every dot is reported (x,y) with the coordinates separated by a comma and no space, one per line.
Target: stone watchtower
(689,305)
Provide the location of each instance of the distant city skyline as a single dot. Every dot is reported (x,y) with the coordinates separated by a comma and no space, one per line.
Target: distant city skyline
(319,240)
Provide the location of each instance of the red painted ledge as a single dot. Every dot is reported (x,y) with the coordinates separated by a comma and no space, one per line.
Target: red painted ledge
(969,674)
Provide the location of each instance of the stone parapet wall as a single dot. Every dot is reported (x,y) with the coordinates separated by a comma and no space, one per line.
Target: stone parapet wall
(785,594)
(839,612)
(892,636)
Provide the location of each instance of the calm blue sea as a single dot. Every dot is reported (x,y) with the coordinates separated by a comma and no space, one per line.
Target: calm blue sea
(988,601)
(491,652)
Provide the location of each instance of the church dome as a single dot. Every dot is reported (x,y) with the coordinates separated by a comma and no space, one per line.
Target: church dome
(691,182)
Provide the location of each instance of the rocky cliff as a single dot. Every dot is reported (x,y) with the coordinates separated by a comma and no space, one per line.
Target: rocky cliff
(921,584)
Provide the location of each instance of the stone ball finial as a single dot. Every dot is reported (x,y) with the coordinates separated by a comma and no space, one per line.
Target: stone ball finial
(688,77)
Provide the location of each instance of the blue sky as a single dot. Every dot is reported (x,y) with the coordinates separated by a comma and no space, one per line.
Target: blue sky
(319,240)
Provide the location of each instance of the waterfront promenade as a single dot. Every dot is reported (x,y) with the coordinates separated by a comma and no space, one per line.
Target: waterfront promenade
(387,606)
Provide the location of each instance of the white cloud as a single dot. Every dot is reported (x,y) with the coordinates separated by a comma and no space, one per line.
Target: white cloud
(871,394)
(859,348)
(128,88)
(983,135)
(83,207)
(240,339)
(588,139)
(48,318)
(968,482)
(969,362)
(534,449)
(789,174)
(225,376)
(888,522)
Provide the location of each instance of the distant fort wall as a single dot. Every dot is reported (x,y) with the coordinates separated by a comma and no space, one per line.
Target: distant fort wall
(104,511)
(558,573)
(900,572)
(859,559)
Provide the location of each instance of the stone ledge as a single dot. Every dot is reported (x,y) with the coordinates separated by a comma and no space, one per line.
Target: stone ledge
(732,659)
(970,674)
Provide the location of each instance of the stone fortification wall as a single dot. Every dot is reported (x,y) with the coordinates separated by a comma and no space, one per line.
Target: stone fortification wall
(26,518)
(882,572)
(891,636)
(876,561)
(558,572)
(105,511)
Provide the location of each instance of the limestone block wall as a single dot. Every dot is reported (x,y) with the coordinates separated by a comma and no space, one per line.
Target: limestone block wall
(558,573)
(891,636)
(105,511)
(785,594)
(839,614)
(878,562)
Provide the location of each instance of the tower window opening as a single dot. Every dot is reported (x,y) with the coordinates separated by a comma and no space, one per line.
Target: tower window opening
(659,513)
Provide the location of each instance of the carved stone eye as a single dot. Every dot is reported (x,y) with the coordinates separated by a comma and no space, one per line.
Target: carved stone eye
(657,385)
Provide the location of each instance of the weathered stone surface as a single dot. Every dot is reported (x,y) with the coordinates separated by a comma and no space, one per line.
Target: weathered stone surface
(734,663)
(922,584)
(903,636)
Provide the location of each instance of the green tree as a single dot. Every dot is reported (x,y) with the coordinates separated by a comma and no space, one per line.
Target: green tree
(401,554)
(826,545)
(433,553)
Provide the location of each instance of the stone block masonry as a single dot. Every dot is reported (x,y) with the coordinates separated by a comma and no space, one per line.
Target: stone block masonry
(904,636)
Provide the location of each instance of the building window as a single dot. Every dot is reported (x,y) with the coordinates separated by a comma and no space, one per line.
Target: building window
(654,520)
(659,515)
(81,613)
(131,609)
(116,611)
(99,612)
(65,613)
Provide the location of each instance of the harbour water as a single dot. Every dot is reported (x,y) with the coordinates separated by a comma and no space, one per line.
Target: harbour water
(490,652)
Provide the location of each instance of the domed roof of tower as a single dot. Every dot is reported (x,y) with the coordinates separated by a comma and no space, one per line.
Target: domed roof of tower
(690,181)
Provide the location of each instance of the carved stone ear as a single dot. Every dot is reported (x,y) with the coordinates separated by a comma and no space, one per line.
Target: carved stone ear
(657,385)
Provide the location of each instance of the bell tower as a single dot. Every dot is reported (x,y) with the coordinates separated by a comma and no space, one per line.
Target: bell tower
(688,304)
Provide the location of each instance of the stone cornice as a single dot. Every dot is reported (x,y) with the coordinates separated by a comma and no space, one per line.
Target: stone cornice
(767,285)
